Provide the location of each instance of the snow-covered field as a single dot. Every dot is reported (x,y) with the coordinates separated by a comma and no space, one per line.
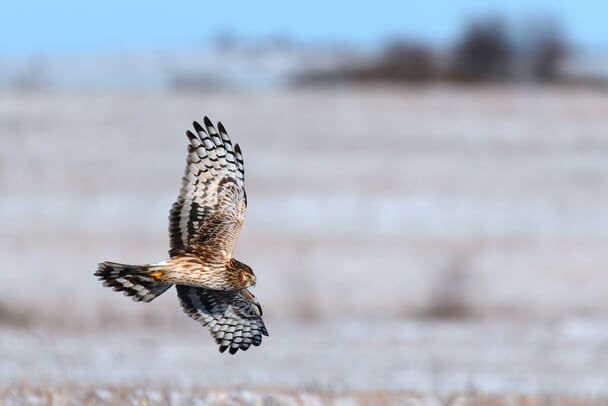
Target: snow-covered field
(426,239)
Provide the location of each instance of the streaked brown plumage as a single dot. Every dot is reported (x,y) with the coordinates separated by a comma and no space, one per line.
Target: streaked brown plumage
(204,224)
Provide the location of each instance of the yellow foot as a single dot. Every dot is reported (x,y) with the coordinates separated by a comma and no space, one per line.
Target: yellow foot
(156,274)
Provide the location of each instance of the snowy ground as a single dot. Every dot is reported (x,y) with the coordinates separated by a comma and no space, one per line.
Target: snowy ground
(431,357)
(374,215)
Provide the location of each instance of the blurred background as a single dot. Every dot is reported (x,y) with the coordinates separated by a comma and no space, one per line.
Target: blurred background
(427,189)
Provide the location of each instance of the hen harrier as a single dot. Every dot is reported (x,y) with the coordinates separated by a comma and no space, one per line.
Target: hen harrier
(204,224)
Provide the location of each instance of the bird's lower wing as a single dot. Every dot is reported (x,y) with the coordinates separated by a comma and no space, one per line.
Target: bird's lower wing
(234,318)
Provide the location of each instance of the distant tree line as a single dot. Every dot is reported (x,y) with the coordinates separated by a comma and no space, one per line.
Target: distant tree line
(488,50)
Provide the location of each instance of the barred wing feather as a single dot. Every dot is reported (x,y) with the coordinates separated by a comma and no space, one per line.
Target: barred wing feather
(209,211)
(234,318)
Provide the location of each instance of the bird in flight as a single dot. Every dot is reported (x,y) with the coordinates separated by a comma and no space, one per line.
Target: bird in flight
(204,224)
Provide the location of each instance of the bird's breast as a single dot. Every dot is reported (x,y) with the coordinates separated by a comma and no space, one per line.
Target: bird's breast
(192,271)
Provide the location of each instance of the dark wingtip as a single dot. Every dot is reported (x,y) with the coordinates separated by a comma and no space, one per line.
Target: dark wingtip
(220,127)
(189,134)
(207,122)
(100,268)
(237,148)
(223,348)
(197,127)
(233,350)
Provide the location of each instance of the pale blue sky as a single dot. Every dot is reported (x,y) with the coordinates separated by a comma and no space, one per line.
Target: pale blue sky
(67,26)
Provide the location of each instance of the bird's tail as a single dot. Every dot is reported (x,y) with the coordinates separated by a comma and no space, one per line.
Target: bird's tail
(141,282)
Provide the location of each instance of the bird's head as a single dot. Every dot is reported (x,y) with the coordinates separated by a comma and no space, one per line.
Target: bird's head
(247,276)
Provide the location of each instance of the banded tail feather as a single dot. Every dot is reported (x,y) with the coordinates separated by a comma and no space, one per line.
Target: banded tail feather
(138,281)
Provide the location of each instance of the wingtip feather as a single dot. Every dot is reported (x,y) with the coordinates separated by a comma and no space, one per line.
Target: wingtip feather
(197,127)
(221,128)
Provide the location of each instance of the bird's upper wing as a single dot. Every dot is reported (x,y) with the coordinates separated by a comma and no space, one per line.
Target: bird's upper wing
(234,318)
(210,209)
